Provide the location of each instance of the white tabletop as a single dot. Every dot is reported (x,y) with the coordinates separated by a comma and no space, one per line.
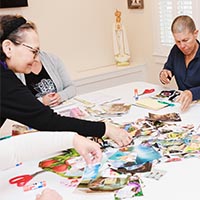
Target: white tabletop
(126,92)
(178,183)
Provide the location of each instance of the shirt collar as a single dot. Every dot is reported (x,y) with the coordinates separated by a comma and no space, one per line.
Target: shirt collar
(198,51)
(3,64)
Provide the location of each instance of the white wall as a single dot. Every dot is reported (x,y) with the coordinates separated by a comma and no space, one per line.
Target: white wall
(80,31)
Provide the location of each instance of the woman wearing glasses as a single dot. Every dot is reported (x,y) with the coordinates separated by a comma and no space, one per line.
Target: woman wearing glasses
(19,48)
(17,102)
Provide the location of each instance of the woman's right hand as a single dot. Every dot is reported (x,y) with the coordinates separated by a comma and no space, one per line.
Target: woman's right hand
(118,135)
(165,76)
(90,150)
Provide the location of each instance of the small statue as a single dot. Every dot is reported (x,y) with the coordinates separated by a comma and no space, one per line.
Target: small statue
(121,49)
(118,16)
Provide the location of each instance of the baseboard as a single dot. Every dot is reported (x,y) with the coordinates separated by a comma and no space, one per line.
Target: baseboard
(109,76)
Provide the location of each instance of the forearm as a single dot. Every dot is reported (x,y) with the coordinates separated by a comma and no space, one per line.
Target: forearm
(68,92)
(18,103)
(33,146)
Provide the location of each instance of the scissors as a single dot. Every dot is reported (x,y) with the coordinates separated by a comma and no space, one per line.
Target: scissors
(23,179)
(147,91)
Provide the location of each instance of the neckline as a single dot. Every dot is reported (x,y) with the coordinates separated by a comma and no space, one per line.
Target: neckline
(3,63)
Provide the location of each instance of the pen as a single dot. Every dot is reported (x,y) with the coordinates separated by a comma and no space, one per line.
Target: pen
(164,102)
(136,94)
(113,100)
(5,137)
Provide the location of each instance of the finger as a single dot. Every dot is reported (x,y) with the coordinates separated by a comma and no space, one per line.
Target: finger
(126,141)
(169,74)
(120,143)
(96,159)
(184,107)
(54,102)
(129,140)
(164,79)
(54,98)
(185,104)
(183,101)
(179,98)
(51,94)
(91,158)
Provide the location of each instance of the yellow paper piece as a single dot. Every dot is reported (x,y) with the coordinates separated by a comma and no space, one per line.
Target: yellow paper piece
(150,103)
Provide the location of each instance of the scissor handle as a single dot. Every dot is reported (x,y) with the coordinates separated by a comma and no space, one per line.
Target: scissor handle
(146,91)
(20,180)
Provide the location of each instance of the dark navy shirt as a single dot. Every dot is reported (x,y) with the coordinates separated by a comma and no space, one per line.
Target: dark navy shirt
(186,78)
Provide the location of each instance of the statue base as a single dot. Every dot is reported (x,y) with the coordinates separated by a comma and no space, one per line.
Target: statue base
(123,63)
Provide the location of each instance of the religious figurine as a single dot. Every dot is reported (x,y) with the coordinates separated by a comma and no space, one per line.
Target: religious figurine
(121,49)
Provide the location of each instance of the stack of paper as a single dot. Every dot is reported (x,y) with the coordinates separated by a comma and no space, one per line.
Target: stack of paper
(150,103)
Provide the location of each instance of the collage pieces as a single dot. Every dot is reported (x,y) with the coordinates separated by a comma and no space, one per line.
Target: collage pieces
(156,139)
(120,170)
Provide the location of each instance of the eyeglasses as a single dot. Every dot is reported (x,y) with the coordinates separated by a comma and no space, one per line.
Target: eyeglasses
(33,50)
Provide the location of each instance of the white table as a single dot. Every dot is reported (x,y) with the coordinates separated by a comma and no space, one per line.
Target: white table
(177,183)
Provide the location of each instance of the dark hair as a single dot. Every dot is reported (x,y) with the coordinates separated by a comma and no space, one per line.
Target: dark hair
(181,23)
(12,28)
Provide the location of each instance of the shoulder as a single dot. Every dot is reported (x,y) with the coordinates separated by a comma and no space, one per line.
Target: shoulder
(175,51)
(7,73)
(48,55)
(47,58)
(9,81)
(198,52)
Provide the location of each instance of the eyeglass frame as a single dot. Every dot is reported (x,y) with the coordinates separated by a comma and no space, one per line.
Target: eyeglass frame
(33,50)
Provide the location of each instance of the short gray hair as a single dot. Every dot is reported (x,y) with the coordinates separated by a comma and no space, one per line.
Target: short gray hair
(182,23)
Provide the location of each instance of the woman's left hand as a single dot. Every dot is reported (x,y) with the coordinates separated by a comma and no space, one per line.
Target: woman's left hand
(51,99)
(185,99)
